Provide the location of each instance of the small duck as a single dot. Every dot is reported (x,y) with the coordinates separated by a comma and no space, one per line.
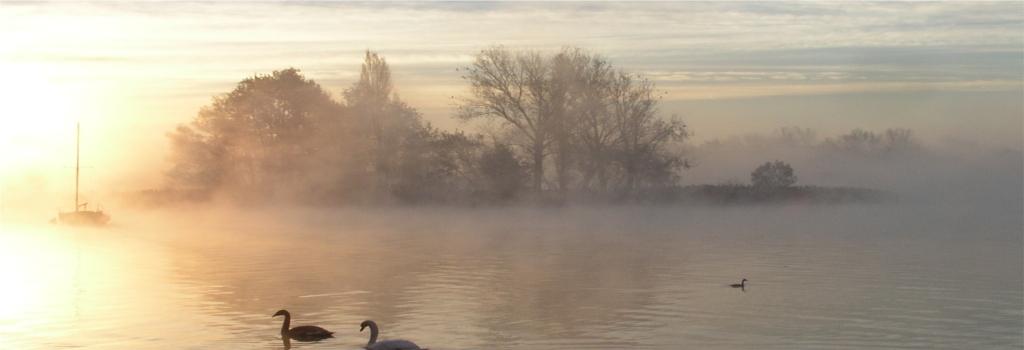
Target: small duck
(301,333)
(396,344)
(742,284)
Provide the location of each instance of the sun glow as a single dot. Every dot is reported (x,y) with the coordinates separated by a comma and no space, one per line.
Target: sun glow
(37,116)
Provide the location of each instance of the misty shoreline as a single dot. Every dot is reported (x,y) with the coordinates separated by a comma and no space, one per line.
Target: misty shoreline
(690,195)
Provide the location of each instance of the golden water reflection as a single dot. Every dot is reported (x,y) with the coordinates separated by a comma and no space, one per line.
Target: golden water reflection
(513,279)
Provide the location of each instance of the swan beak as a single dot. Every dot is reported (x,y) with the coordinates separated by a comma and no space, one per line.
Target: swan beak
(361,328)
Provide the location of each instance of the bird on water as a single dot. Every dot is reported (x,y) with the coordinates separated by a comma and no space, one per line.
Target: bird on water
(742,284)
(396,344)
(301,333)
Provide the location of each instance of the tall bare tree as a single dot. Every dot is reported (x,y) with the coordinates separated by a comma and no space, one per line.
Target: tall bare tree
(592,120)
(587,131)
(513,86)
(640,134)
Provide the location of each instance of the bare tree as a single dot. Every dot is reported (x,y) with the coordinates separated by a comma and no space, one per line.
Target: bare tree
(859,141)
(897,140)
(640,134)
(513,87)
(796,136)
(583,127)
(592,120)
(856,141)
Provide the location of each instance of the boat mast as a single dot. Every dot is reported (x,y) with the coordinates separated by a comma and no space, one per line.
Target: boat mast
(78,132)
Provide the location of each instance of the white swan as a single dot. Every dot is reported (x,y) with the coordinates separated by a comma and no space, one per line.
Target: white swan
(386,344)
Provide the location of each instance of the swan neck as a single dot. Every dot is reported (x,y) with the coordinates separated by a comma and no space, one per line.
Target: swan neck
(373,333)
(287,322)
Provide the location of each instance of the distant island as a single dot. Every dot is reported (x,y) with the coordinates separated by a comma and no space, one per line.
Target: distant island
(772,182)
(560,127)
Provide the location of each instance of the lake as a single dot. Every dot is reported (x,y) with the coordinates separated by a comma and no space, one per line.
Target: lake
(837,277)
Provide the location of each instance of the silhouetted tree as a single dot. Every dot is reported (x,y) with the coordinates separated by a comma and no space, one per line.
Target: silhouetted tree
(578,88)
(797,136)
(595,122)
(859,141)
(589,129)
(513,86)
(382,118)
(501,172)
(256,137)
(772,175)
(197,161)
(436,166)
(898,140)
(641,136)
(596,126)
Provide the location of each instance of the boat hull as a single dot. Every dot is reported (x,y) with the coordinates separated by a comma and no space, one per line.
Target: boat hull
(84,218)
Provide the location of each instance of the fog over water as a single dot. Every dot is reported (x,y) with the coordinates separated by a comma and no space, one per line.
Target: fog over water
(939,268)
(940,275)
(933,171)
(860,165)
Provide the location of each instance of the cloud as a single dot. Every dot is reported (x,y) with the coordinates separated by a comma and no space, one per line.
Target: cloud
(702,92)
(692,50)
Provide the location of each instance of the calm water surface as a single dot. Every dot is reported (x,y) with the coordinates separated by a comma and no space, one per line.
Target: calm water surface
(843,277)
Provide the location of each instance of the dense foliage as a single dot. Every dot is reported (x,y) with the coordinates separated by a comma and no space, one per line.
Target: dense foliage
(772,175)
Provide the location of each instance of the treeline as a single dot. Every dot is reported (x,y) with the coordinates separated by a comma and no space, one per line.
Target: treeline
(891,159)
(771,182)
(888,142)
(569,124)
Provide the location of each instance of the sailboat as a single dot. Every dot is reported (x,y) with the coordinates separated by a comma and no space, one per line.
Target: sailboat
(82,216)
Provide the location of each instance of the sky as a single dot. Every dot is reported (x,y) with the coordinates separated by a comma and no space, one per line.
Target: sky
(131,71)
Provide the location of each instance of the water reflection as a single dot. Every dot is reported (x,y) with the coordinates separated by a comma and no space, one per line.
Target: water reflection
(528,282)
(68,287)
(516,280)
